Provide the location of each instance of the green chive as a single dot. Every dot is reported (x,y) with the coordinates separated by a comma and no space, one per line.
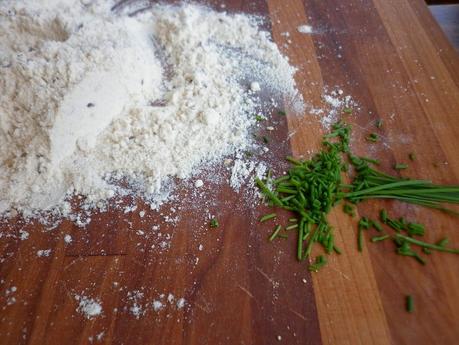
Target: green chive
(347,110)
(259,118)
(372,137)
(214,223)
(383,215)
(312,188)
(427,245)
(319,262)
(291,227)
(268,217)
(360,239)
(412,156)
(400,166)
(379,238)
(267,192)
(409,303)
(281,113)
(415,229)
(293,160)
(426,251)
(299,253)
(348,209)
(379,123)
(364,223)
(370,160)
(276,231)
(443,242)
(375,224)
(265,139)
(337,250)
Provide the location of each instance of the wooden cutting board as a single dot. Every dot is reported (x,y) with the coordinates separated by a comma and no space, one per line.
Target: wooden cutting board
(391,56)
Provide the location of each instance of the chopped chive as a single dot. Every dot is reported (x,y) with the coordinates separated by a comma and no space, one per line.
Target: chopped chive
(268,217)
(291,227)
(372,137)
(426,251)
(275,200)
(293,220)
(383,215)
(349,209)
(284,236)
(364,223)
(427,245)
(400,166)
(281,179)
(443,242)
(214,223)
(415,229)
(405,250)
(375,224)
(412,156)
(293,160)
(259,118)
(276,231)
(270,174)
(347,110)
(370,160)
(379,238)
(319,262)
(360,239)
(379,123)
(265,139)
(299,253)
(409,303)
(312,188)
(281,113)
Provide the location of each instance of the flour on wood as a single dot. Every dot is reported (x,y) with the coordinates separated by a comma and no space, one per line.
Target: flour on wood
(100,104)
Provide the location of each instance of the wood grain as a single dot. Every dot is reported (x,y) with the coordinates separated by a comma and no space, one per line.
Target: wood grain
(391,56)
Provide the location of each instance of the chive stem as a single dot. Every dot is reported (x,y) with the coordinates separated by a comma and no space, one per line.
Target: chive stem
(379,238)
(427,245)
(276,231)
(268,217)
(409,303)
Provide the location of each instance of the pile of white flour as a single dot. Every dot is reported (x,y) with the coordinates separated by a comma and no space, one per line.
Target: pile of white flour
(98,104)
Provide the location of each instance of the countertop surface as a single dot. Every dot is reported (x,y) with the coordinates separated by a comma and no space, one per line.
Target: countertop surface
(395,62)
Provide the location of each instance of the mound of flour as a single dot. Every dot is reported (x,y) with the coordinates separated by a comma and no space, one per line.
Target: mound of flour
(98,104)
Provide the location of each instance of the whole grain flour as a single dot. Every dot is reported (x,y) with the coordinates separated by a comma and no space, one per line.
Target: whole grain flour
(98,104)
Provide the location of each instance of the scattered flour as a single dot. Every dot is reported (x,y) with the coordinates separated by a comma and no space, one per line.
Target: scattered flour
(134,298)
(10,299)
(44,252)
(68,239)
(181,303)
(304,29)
(244,170)
(335,103)
(89,307)
(23,235)
(91,98)
(157,305)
